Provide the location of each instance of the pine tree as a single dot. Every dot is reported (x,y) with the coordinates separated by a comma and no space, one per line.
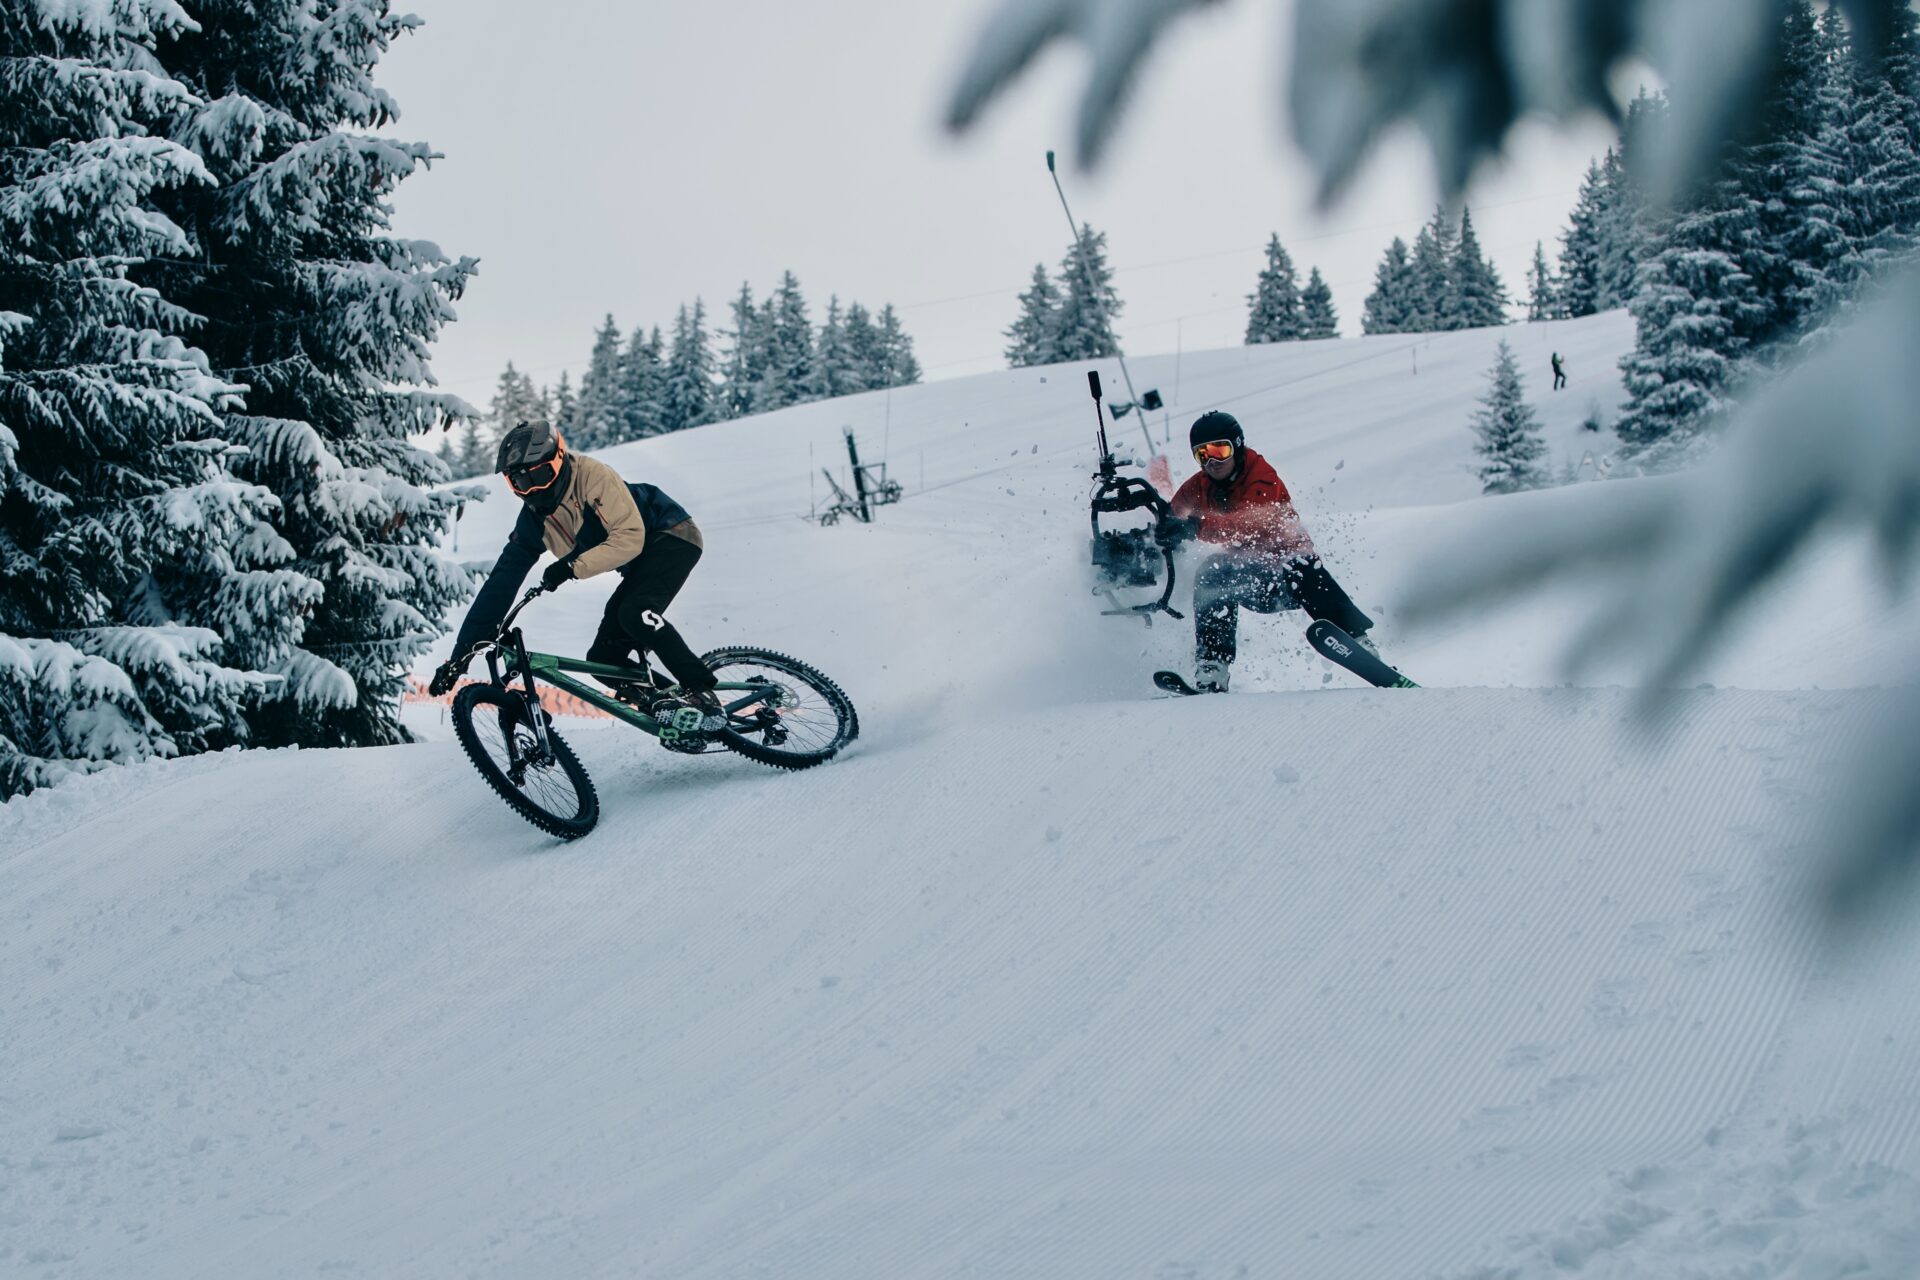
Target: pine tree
(1031,340)
(1478,298)
(127,554)
(1087,313)
(642,398)
(1274,305)
(1543,301)
(1317,318)
(864,356)
(597,418)
(1776,171)
(1692,314)
(785,350)
(834,373)
(515,400)
(328,319)
(564,406)
(1581,289)
(897,365)
(475,455)
(1508,431)
(742,370)
(1390,307)
(692,397)
(1432,264)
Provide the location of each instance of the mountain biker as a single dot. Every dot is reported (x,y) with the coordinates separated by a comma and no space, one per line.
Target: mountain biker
(581,510)
(1238,502)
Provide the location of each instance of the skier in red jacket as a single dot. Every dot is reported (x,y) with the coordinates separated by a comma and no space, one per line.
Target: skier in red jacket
(1266,562)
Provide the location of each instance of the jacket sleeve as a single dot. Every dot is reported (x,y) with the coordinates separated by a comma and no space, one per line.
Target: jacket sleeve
(604,491)
(495,596)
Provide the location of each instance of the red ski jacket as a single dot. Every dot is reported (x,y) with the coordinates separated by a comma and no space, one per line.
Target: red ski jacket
(1253,512)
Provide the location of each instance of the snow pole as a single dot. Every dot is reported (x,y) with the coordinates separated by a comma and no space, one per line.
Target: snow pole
(1086,269)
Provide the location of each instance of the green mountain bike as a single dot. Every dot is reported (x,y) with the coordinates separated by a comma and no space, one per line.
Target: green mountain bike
(773,709)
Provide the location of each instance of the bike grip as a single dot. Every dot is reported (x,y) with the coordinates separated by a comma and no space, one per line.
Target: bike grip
(1093,382)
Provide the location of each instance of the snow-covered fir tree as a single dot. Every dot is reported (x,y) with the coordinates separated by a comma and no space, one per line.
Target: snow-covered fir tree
(328,320)
(474,457)
(1509,441)
(834,370)
(897,366)
(1432,265)
(740,370)
(1857,201)
(1031,339)
(643,386)
(129,553)
(1543,298)
(783,352)
(563,405)
(1692,314)
(1274,305)
(597,418)
(1317,317)
(1581,290)
(1084,330)
(691,396)
(1477,296)
(1390,308)
(863,344)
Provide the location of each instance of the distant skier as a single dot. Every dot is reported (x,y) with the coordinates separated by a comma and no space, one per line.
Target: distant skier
(1559,372)
(592,520)
(1267,564)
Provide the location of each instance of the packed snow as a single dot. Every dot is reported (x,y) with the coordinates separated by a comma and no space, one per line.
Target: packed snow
(1047,976)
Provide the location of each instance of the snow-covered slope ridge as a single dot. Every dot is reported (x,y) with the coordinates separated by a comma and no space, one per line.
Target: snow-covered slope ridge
(1044,978)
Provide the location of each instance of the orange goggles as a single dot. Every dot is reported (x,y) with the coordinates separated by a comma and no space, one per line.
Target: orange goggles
(1213,451)
(526,480)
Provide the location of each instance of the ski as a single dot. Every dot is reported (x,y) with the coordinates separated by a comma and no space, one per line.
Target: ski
(1173,682)
(1332,643)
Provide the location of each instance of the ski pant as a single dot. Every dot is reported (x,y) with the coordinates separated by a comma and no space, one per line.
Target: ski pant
(1227,584)
(1559,379)
(648,584)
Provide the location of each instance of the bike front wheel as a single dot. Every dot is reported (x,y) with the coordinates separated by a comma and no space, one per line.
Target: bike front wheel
(803,720)
(547,787)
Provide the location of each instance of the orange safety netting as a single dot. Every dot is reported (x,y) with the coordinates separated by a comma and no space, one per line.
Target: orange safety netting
(557,701)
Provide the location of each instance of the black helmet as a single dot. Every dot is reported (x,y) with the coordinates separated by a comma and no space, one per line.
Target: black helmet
(1216,424)
(531,456)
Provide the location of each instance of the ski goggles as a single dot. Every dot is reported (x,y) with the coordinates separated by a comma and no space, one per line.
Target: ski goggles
(1213,451)
(526,480)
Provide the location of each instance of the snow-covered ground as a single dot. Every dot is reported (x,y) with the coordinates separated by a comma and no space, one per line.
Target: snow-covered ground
(1045,977)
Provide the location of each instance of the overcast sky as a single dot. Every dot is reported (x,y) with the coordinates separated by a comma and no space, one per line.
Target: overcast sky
(606,157)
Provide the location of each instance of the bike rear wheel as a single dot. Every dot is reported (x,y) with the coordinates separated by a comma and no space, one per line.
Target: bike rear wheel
(548,789)
(806,720)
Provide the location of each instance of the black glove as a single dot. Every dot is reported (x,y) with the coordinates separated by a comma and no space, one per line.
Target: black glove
(1171,531)
(445,676)
(558,572)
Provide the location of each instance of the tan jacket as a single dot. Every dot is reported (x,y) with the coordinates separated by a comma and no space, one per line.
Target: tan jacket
(599,486)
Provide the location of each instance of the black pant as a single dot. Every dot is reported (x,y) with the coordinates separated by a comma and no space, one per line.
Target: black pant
(1559,379)
(648,584)
(1227,584)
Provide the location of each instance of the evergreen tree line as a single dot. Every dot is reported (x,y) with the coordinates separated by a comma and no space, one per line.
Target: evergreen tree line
(1759,260)
(213,357)
(1069,316)
(1445,282)
(1279,310)
(649,385)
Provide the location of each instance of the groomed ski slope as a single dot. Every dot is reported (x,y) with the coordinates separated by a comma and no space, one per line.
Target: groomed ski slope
(1046,977)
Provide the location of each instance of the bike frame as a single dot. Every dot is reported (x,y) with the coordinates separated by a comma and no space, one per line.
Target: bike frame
(553,669)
